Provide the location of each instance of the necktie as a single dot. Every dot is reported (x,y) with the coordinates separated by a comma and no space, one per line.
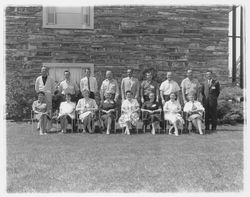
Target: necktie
(88,84)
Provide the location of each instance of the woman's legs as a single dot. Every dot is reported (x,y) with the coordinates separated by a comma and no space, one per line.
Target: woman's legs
(89,123)
(197,124)
(153,128)
(175,128)
(63,122)
(43,124)
(128,126)
(109,120)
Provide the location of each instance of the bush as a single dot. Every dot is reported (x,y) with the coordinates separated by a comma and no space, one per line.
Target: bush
(230,110)
(19,97)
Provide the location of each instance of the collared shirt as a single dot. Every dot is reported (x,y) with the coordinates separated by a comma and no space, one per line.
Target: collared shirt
(149,86)
(66,87)
(169,86)
(131,84)
(92,83)
(190,85)
(109,86)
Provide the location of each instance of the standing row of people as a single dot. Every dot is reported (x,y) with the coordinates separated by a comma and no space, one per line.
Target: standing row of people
(209,90)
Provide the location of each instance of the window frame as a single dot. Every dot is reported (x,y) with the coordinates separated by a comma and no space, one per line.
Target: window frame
(72,26)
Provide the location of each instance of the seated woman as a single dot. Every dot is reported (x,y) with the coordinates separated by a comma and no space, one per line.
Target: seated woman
(66,112)
(107,110)
(39,107)
(194,109)
(172,109)
(151,112)
(129,112)
(87,108)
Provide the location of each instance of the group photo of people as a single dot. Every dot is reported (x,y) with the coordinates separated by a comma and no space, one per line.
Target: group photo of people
(169,107)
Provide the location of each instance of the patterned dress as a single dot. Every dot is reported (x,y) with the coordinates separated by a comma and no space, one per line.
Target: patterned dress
(86,104)
(129,113)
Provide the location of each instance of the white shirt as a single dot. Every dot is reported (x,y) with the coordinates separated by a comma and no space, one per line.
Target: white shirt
(92,84)
(49,86)
(169,86)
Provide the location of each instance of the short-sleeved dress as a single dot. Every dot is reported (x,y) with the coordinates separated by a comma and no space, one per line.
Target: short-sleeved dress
(148,118)
(107,105)
(129,115)
(173,115)
(86,104)
(41,107)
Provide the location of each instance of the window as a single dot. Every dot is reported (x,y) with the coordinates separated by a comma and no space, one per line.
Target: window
(77,70)
(68,17)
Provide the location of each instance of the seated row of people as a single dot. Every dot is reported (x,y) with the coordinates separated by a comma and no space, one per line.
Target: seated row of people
(130,112)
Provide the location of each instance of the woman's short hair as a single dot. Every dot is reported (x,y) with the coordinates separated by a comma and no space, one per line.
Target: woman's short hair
(68,94)
(85,90)
(41,92)
(151,93)
(128,91)
(174,93)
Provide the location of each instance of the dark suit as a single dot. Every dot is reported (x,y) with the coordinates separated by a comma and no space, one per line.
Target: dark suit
(210,95)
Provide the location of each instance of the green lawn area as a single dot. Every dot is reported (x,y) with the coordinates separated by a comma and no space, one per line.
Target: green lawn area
(120,163)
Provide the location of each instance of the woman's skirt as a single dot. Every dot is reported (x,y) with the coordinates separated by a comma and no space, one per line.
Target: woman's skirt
(104,119)
(128,117)
(39,115)
(148,118)
(85,115)
(194,116)
(174,118)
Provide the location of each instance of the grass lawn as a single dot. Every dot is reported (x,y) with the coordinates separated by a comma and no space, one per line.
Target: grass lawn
(121,163)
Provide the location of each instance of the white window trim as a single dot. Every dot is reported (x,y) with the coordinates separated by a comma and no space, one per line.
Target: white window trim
(73,26)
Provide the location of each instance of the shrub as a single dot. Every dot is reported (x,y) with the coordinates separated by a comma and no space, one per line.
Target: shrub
(19,97)
(230,110)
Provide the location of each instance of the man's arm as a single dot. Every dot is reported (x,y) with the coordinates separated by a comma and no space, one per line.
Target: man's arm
(116,90)
(137,89)
(122,89)
(102,91)
(37,85)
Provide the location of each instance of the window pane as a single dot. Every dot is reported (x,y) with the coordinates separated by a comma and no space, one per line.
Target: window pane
(68,18)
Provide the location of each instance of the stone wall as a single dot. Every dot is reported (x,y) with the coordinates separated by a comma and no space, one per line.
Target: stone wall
(162,37)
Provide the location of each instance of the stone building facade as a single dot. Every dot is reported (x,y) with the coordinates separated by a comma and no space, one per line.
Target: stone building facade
(161,37)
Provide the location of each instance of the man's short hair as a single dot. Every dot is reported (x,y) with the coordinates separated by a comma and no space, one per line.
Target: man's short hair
(66,71)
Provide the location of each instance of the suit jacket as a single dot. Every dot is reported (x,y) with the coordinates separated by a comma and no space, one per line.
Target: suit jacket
(211,91)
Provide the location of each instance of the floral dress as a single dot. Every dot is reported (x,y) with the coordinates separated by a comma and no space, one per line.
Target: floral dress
(129,114)
(86,104)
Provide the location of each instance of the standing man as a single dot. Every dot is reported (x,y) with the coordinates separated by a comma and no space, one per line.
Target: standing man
(148,86)
(68,87)
(89,82)
(46,84)
(188,85)
(130,83)
(210,91)
(167,87)
(109,85)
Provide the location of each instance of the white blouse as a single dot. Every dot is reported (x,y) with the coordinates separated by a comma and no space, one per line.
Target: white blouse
(190,106)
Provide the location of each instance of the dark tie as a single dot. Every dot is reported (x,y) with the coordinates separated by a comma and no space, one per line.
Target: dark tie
(88,84)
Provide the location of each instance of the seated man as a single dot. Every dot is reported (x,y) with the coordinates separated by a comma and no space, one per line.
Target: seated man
(40,109)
